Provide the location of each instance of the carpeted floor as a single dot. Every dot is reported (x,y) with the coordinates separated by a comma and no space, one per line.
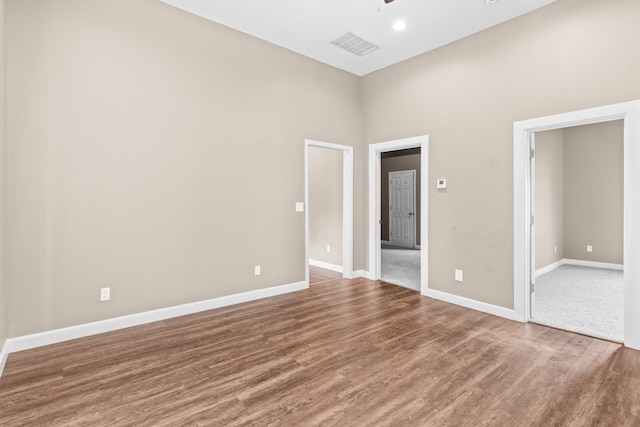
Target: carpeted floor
(401,266)
(581,299)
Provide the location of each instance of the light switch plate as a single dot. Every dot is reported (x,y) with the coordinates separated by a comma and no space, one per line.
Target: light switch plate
(299,206)
(458,275)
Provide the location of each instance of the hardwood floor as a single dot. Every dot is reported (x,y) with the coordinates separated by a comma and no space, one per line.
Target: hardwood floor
(344,352)
(320,275)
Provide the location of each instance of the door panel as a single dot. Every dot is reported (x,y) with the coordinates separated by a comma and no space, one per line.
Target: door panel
(402,208)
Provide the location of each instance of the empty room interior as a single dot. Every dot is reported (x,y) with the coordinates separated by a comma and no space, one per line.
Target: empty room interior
(196,199)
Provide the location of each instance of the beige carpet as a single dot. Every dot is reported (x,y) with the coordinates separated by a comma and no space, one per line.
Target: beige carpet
(401,266)
(581,299)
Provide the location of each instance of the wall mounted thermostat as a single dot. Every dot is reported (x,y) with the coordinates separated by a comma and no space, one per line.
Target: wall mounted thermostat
(441,184)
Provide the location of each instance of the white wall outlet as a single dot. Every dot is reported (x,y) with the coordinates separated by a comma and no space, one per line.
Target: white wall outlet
(458,275)
(299,206)
(589,248)
(328,248)
(256,270)
(105,294)
(441,184)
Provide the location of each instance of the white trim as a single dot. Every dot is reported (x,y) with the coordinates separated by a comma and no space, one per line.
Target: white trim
(471,303)
(374,203)
(80,331)
(386,242)
(550,267)
(4,354)
(630,113)
(594,264)
(326,265)
(347,204)
(364,274)
(580,262)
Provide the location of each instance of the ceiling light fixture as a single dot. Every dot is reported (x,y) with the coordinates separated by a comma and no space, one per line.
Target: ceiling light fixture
(399,26)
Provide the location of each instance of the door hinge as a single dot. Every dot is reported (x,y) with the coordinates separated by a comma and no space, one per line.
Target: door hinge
(532,153)
(532,287)
(533,220)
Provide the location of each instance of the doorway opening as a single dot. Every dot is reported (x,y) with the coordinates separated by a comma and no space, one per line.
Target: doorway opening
(577,239)
(400,217)
(401,259)
(524,220)
(326,208)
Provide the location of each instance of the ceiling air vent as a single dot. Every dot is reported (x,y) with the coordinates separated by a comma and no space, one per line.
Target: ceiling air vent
(355,44)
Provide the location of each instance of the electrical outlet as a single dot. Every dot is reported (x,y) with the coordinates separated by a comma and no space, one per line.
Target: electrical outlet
(105,294)
(458,275)
(328,248)
(589,248)
(256,270)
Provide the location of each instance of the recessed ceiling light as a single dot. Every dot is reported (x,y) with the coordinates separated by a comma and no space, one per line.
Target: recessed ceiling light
(490,2)
(399,26)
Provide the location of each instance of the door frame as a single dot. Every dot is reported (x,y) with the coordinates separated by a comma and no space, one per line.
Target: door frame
(629,112)
(375,179)
(415,219)
(347,204)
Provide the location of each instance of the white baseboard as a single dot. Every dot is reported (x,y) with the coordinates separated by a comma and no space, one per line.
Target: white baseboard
(549,267)
(58,335)
(567,261)
(496,310)
(4,354)
(594,264)
(362,273)
(484,307)
(326,265)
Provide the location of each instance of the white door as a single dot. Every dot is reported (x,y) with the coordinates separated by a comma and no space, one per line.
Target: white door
(402,218)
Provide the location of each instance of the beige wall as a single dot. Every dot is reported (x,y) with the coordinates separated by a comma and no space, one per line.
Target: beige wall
(4,304)
(571,55)
(123,117)
(156,153)
(594,192)
(325,205)
(394,164)
(580,193)
(549,194)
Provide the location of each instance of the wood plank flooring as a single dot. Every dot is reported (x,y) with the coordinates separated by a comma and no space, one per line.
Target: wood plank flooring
(320,275)
(343,353)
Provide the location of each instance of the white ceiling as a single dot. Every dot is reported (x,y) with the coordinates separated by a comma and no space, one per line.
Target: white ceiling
(308,26)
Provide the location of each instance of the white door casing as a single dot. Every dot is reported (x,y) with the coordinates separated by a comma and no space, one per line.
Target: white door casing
(347,204)
(629,112)
(402,210)
(375,180)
